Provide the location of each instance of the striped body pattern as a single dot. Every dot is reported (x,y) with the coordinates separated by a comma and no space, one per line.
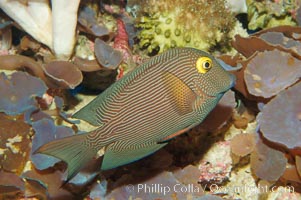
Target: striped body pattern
(139,114)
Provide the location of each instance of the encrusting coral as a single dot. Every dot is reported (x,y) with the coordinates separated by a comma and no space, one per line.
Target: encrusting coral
(164,24)
(271,13)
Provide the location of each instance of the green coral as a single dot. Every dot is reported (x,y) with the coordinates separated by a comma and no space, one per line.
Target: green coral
(83,48)
(200,24)
(271,13)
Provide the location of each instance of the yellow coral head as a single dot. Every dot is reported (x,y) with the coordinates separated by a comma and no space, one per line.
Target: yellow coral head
(203,65)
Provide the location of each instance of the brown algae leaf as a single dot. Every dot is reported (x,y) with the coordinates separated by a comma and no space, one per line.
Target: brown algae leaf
(11,186)
(288,31)
(267,163)
(34,190)
(29,43)
(298,165)
(240,84)
(106,55)
(87,65)
(14,144)
(19,91)
(269,72)
(279,39)
(243,144)
(63,74)
(88,18)
(19,62)
(52,181)
(280,120)
(291,174)
(250,45)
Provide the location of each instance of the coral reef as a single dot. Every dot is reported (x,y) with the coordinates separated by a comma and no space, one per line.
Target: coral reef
(274,94)
(215,168)
(237,7)
(247,148)
(190,23)
(271,13)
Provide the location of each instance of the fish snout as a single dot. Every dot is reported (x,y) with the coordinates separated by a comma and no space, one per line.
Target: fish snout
(231,83)
(232,80)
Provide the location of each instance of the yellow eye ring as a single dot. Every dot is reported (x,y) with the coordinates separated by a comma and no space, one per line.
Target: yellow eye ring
(203,65)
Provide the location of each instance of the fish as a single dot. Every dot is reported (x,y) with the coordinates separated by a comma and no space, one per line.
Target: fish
(139,114)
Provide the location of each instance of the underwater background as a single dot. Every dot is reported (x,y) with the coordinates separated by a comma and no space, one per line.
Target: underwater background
(57,56)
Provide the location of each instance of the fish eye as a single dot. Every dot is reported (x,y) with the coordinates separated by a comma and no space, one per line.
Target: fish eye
(203,65)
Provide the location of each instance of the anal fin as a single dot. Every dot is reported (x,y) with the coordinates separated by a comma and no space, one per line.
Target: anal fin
(115,157)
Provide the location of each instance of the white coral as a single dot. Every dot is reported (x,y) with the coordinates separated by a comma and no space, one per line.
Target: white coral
(53,27)
(237,6)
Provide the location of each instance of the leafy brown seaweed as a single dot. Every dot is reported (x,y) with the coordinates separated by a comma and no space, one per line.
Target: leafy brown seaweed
(63,74)
(270,78)
(243,144)
(270,72)
(267,163)
(106,55)
(280,120)
(14,98)
(14,144)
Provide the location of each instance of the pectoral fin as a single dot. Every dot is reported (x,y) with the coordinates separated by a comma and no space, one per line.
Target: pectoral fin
(116,156)
(180,95)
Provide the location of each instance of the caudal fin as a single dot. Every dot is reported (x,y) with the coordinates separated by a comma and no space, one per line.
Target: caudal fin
(74,150)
